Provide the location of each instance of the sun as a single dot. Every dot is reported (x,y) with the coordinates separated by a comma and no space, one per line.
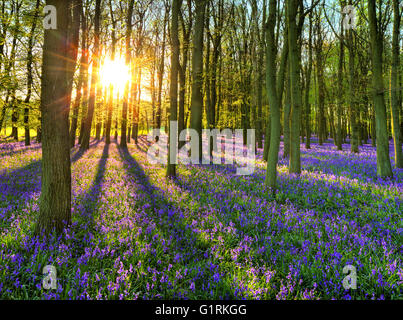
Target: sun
(114,72)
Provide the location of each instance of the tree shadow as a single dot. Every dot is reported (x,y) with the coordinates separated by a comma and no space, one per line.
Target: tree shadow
(178,223)
(19,186)
(95,189)
(79,153)
(143,144)
(164,213)
(88,205)
(20,151)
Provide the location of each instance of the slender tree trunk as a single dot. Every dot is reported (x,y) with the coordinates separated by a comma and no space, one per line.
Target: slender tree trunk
(307,88)
(271,53)
(182,72)
(123,137)
(280,82)
(117,117)
(110,100)
(321,82)
(384,168)
(84,98)
(74,38)
(257,71)
(340,100)
(83,65)
(29,74)
(160,73)
(136,108)
(85,144)
(352,92)
(10,70)
(394,84)
(286,115)
(196,106)
(296,97)
(173,91)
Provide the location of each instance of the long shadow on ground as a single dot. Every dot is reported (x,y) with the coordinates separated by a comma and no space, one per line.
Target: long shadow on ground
(169,218)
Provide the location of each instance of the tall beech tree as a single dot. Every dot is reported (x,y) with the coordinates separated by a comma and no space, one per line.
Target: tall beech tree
(183,66)
(123,137)
(85,143)
(82,78)
(352,89)
(173,91)
(30,73)
(295,84)
(161,68)
(55,200)
(340,96)
(271,53)
(307,87)
(384,168)
(196,105)
(395,100)
(320,77)
(110,100)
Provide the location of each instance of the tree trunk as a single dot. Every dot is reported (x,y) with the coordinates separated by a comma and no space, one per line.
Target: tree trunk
(183,71)
(81,77)
(394,84)
(384,168)
(29,74)
(123,135)
(196,106)
(271,54)
(173,91)
(321,82)
(10,71)
(160,74)
(73,38)
(110,100)
(55,201)
(296,97)
(307,87)
(85,144)
(339,138)
(286,117)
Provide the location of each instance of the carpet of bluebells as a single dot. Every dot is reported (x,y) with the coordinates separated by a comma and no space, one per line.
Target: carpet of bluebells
(209,234)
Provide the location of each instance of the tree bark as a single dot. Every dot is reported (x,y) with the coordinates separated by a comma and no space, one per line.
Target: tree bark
(196,106)
(123,135)
(183,70)
(85,144)
(81,77)
(296,97)
(29,74)
(173,91)
(384,168)
(55,201)
(160,74)
(271,54)
(340,100)
(394,86)
(321,81)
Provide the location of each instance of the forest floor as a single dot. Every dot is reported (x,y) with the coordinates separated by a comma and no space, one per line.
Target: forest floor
(209,234)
